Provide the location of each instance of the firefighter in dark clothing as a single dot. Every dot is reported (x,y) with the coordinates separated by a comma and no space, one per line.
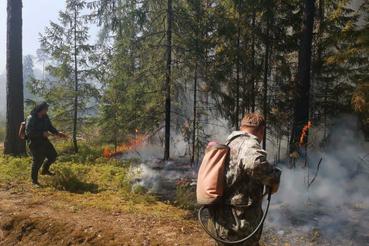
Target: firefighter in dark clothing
(38,126)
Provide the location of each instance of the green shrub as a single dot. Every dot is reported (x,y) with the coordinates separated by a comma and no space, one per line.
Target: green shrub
(14,169)
(185,197)
(85,172)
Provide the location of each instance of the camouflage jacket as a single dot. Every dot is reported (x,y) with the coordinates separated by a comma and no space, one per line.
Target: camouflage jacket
(247,172)
(36,126)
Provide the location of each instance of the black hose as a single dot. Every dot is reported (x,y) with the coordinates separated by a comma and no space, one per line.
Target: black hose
(244,239)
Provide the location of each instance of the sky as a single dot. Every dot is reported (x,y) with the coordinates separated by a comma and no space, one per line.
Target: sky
(36,16)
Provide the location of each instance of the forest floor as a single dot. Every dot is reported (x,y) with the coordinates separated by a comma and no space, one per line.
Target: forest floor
(51,216)
(37,216)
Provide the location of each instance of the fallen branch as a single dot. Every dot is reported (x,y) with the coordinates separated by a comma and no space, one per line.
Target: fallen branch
(316,174)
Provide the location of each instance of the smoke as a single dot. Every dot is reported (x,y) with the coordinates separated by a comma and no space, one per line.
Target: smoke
(333,199)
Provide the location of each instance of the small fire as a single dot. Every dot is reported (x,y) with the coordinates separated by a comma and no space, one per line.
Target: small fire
(126,147)
(304,133)
(136,130)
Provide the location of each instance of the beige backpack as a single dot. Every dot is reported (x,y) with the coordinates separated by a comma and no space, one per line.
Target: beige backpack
(210,178)
(22,131)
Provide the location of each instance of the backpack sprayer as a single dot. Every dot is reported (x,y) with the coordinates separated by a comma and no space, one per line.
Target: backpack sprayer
(210,184)
(268,193)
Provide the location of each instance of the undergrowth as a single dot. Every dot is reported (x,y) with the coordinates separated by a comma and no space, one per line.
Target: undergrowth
(86,172)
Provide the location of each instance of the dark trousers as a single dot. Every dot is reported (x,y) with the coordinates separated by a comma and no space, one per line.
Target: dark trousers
(43,153)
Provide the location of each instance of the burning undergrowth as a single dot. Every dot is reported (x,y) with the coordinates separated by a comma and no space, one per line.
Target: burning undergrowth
(331,210)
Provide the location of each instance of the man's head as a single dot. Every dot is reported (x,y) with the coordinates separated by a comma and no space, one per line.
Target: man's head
(40,109)
(254,123)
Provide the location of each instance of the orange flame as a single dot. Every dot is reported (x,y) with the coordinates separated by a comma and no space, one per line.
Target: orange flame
(128,146)
(304,132)
(136,130)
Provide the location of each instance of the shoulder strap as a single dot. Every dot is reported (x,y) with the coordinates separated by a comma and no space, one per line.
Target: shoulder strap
(234,137)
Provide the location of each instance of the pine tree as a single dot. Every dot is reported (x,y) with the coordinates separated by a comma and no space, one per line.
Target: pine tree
(73,95)
(13,145)
(302,97)
(27,73)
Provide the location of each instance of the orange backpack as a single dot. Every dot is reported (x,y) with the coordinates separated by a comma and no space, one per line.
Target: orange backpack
(210,184)
(210,178)
(22,131)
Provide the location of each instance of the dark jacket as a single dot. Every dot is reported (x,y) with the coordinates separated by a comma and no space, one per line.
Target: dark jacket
(36,126)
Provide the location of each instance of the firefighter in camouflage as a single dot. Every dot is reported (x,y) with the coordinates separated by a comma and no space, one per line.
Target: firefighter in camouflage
(245,177)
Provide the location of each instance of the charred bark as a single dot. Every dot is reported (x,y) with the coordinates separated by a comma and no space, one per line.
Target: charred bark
(302,97)
(194,118)
(168,81)
(13,145)
(253,62)
(266,67)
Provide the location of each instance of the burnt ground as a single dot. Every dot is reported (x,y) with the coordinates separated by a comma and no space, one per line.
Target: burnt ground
(314,223)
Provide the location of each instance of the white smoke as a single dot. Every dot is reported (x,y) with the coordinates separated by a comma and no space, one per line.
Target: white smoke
(337,190)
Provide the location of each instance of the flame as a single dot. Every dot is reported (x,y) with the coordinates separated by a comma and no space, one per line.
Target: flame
(136,130)
(126,147)
(304,132)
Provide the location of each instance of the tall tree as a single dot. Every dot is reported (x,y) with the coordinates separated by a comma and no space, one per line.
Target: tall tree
(168,80)
(302,97)
(73,94)
(14,115)
(28,73)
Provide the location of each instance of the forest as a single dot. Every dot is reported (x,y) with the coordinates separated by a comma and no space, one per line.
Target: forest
(163,78)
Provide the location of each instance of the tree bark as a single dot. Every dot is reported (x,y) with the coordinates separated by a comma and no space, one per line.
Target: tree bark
(13,145)
(168,81)
(237,114)
(75,86)
(253,62)
(302,97)
(265,82)
(194,118)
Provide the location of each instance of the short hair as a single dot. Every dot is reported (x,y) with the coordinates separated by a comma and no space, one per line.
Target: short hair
(253,120)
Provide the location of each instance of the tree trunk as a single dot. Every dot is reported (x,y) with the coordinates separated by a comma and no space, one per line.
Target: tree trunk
(75,86)
(302,97)
(194,118)
(266,67)
(205,75)
(238,70)
(253,62)
(168,81)
(13,145)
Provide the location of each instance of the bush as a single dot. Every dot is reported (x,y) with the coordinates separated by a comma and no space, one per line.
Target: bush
(14,169)
(85,172)
(185,197)
(2,130)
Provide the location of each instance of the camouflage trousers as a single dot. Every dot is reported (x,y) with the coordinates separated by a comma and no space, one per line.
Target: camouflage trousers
(233,223)
(43,153)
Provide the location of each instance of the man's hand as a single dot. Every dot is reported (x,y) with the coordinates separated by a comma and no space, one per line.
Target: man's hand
(45,134)
(62,135)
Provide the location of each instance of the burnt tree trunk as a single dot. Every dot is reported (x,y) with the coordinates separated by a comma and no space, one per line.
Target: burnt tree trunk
(302,97)
(237,114)
(168,81)
(13,145)
(253,62)
(194,118)
(266,67)
(75,86)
